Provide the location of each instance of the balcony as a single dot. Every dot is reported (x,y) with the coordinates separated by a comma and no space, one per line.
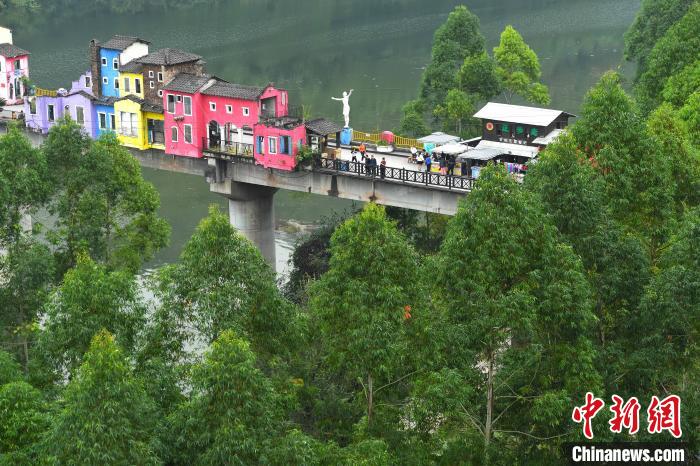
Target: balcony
(222,149)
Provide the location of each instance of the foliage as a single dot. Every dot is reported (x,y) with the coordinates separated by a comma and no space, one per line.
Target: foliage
(90,298)
(304,154)
(10,371)
(222,282)
(683,84)
(455,40)
(23,420)
(518,69)
(104,205)
(654,18)
(23,183)
(690,113)
(105,414)
(360,303)
(412,122)
(457,107)
(678,48)
(478,77)
(232,414)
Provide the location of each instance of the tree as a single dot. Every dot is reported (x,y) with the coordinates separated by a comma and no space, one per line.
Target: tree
(690,114)
(365,301)
(682,85)
(412,122)
(23,420)
(518,317)
(105,417)
(90,298)
(677,49)
(478,77)
(10,371)
(458,38)
(28,271)
(654,18)
(105,207)
(222,282)
(233,414)
(23,183)
(518,69)
(457,107)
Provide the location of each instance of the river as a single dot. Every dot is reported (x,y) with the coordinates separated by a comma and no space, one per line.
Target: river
(316,49)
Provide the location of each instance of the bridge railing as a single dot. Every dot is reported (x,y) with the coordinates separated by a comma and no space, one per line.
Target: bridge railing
(396,174)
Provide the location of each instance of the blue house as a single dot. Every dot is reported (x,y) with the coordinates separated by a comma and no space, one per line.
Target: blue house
(105,121)
(106,59)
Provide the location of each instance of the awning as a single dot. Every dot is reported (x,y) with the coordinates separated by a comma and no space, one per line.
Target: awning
(438,138)
(479,154)
(548,139)
(520,150)
(452,149)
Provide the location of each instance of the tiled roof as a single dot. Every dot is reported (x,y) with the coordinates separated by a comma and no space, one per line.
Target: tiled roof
(106,100)
(132,67)
(323,127)
(519,114)
(11,51)
(146,106)
(235,91)
(186,82)
(166,57)
(87,95)
(120,43)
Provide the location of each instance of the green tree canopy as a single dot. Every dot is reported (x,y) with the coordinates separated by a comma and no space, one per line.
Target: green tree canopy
(105,416)
(457,108)
(23,420)
(412,122)
(478,77)
(690,113)
(518,68)
(233,414)
(683,84)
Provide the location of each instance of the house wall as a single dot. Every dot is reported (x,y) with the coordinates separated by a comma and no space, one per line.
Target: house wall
(169,72)
(5,36)
(108,71)
(108,110)
(9,75)
(75,101)
(281,102)
(279,161)
(81,84)
(135,50)
(138,140)
(144,120)
(178,119)
(236,117)
(39,121)
(132,77)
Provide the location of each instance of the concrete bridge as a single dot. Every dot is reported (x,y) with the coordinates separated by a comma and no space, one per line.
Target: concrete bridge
(250,188)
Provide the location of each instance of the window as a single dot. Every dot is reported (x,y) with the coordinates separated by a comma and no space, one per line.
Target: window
(273,145)
(50,112)
(285,145)
(137,85)
(103,120)
(105,81)
(179,98)
(171,103)
(115,63)
(160,77)
(284,98)
(129,124)
(127,85)
(151,84)
(104,61)
(229,109)
(32,106)
(260,144)
(88,81)
(112,121)
(173,134)
(188,105)
(212,106)
(18,64)
(188,134)
(116,83)
(150,74)
(160,93)
(80,115)
(246,111)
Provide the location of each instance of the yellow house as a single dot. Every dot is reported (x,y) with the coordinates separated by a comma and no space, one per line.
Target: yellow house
(140,124)
(131,80)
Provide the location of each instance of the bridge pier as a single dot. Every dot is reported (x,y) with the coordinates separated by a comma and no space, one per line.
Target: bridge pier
(252,212)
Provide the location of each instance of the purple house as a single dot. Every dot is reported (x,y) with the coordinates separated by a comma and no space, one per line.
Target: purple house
(46,107)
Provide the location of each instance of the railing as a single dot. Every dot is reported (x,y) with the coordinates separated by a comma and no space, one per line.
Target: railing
(400,141)
(224,147)
(396,174)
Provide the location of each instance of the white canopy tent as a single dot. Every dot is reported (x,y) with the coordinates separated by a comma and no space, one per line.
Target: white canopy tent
(452,149)
(438,139)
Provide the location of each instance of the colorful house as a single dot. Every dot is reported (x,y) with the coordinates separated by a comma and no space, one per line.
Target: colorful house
(14,66)
(207,112)
(277,142)
(139,123)
(43,110)
(104,116)
(161,66)
(107,58)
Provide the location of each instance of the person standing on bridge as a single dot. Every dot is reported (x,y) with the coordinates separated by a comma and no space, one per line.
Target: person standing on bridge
(428,162)
(368,166)
(443,164)
(363,150)
(382,168)
(353,154)
(451,165)
(420,160)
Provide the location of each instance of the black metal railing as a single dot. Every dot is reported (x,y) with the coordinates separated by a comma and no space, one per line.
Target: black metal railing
(395,174)
(224,147)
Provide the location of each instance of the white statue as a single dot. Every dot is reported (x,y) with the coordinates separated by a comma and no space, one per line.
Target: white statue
(346,105)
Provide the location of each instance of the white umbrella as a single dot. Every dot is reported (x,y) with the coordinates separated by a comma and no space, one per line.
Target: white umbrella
(452,149)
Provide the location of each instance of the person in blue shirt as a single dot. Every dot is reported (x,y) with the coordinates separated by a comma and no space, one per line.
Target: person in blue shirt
(428,162)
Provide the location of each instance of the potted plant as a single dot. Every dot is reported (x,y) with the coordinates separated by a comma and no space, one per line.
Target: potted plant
(304,156)
(385,147)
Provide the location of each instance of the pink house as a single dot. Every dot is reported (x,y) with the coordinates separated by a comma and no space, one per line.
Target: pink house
(208,113)
(277,141)
(14,66)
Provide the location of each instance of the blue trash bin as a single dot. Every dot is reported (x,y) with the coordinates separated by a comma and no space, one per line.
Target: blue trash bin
(346,136)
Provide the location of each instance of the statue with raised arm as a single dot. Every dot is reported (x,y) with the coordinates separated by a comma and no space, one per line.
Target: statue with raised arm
(346,106)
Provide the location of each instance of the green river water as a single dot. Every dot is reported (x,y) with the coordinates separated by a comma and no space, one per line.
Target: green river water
(316,49)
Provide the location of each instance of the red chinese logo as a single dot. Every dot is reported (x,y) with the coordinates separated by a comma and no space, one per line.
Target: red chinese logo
(665,415)
(625,415)
(587,412)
